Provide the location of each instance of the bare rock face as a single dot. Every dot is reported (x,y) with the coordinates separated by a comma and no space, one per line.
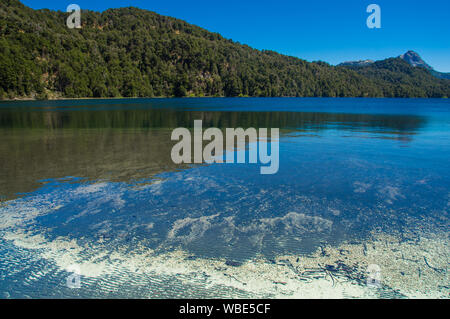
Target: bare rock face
(357,63)
(415,60)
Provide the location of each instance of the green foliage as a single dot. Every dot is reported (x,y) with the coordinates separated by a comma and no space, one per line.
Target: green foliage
(399,79)
(130,52)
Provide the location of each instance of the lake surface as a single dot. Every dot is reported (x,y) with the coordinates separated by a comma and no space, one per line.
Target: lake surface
(91,184)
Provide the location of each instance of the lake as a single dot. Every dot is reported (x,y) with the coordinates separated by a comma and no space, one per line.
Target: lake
(88,190)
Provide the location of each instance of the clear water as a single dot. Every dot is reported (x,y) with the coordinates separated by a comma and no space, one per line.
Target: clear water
(99,171)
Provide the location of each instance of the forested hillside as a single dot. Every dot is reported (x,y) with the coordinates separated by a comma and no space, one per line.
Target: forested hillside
(130,52)
(398,78)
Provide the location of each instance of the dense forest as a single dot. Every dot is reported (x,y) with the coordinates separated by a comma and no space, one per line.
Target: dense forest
(130,52)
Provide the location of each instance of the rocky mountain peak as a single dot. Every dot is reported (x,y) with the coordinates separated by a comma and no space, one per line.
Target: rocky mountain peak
(414,59)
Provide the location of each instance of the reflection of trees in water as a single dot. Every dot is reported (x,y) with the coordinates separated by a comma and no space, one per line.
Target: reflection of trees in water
(133,144)
(169,118)
(27,156)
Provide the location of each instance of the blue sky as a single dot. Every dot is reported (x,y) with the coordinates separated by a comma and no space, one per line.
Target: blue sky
(328,30)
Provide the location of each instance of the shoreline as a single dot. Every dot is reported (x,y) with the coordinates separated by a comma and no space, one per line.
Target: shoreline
(213,97)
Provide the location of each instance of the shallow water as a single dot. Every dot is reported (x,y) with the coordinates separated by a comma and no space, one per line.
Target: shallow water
(92,183)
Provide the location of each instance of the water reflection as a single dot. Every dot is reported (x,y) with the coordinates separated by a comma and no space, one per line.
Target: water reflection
(170,118)
(131,142)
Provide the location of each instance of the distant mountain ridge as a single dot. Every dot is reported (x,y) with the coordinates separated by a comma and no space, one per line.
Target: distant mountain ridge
(411,57)
(130,52)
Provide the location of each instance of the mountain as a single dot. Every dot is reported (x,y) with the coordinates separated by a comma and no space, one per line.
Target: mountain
(398,76)
(129,52)
(440,75)
(411,57)
(357,63)
(415,60)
